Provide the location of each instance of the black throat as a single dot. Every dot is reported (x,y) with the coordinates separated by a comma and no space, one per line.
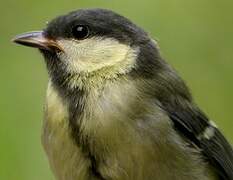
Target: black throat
(149,65)
(76,105)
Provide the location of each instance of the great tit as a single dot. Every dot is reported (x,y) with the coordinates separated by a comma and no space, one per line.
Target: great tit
(115,110)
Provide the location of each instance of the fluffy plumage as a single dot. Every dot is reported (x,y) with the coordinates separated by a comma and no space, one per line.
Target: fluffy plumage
(116,110)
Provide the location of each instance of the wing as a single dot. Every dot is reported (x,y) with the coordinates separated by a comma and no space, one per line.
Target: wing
(191,123)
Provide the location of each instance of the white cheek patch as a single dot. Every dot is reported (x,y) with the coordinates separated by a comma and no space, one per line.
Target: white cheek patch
(96,53)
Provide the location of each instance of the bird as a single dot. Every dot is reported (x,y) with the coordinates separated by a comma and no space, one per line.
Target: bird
(116,110)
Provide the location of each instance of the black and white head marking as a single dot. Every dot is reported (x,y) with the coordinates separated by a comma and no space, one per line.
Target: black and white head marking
(110,45)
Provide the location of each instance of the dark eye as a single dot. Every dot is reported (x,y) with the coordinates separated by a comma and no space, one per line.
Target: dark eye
(80,32)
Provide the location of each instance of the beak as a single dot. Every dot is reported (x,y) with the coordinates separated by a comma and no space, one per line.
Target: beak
(38,40)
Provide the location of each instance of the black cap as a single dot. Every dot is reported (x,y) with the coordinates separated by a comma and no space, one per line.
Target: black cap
(102,23)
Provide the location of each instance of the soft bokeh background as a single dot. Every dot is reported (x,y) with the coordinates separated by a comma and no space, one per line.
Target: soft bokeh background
(195,36)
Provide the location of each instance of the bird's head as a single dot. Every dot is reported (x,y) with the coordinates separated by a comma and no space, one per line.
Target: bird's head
(92,43)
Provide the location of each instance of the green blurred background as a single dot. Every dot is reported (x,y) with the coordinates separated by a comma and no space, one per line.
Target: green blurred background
(195,36)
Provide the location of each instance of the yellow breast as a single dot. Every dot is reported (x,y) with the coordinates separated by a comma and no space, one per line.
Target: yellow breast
(66,159)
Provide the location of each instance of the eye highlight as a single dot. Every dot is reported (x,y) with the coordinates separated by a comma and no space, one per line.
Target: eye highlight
(80,32)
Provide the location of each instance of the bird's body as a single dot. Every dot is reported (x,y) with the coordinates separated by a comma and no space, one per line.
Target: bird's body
(115,110)
(119,138)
